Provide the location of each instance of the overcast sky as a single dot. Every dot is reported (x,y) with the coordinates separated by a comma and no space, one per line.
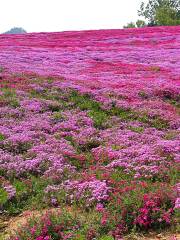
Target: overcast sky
(61,15)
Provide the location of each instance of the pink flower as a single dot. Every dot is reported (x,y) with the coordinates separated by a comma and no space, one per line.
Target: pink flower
(40,238)
(47,238)
(99,207)
(173,238)
(166,217)
(33,230)
(177,203)
(104,219)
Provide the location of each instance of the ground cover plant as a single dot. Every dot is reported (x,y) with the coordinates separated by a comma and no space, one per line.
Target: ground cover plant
(90,125)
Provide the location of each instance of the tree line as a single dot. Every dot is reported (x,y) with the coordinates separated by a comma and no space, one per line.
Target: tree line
(158,13)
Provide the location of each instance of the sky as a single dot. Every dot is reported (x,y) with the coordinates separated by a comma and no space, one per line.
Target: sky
(65,15)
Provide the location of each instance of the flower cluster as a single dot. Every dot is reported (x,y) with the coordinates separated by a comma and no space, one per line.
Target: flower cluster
(51,225)
(11,191)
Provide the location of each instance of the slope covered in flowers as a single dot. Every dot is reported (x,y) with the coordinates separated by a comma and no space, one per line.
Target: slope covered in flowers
(90,121)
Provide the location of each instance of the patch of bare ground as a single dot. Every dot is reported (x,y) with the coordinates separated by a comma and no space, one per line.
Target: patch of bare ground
(10,225)
(154,236)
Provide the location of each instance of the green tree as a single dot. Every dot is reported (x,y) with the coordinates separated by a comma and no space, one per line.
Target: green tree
(161,12)
(166,17)
(138,24)
(130,25)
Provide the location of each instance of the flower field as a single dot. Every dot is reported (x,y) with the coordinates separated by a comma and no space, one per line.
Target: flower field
(90,125)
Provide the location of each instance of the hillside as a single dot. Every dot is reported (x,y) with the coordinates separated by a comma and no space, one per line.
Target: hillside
(90,126)
(15,30)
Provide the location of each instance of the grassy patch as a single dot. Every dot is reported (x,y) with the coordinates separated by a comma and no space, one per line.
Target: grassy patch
(9,97)
(136,129)
(3,196)
(29,195)
(2,137)
(71,99)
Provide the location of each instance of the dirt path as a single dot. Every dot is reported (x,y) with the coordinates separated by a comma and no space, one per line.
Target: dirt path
(8,226)
(153,236)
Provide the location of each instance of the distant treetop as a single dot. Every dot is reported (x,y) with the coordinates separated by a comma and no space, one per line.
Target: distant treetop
(16,30)
(158,13)
(161,12)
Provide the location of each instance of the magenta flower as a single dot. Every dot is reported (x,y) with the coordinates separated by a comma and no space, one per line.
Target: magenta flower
(177,203)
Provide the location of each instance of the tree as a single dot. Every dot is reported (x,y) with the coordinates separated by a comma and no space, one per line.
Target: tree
(16,30)
(161,12)
(130,25)
(138,24)
(166,17)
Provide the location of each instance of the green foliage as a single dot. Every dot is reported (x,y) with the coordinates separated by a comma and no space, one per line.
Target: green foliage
(130,25)
(99,118)
(106,238)
(161,12)
(170,135)
(136,129)
(159,123)
(84,102)
(139,24)
(3,196)
(167,17)
(57,116)
(21,188)
(1,137)
(72,100)
(29,195)
(173,175)
(9,97)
